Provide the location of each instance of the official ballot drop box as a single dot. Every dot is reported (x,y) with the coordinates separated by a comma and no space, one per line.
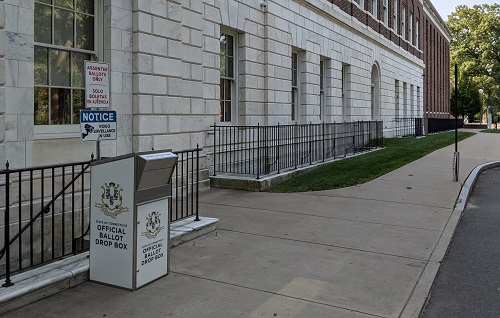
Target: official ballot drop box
(129,218)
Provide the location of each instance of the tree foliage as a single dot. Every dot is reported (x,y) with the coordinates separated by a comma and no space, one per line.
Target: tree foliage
(475,47)
(469,99)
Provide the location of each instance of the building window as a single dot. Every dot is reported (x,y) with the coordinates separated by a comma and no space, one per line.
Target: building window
(412,101)
(418,101)
(417,44)
(295,85)
(375,8)
(405,100)
(346,91)
(386,13)
(322,89)
(395,17)
(396,99)
(360,3)
(64,38)
(410,29)
(227,76)
(403,23)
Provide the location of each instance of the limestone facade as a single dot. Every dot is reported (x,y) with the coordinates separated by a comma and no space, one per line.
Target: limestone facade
(165,60)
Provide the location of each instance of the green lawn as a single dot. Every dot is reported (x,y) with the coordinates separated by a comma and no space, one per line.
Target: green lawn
(355,170)
(491,131)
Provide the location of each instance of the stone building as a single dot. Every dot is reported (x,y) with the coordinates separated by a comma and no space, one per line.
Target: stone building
(179,66)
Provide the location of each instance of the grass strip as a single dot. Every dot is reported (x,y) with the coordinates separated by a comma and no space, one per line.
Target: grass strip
(348,172)
(491,131)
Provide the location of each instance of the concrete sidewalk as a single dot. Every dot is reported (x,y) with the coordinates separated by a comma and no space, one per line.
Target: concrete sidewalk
(367,251)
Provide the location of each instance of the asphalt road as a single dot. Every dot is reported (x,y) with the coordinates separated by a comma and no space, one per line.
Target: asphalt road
(468,282)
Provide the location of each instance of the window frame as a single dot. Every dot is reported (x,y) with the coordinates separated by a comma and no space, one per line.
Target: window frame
(72,130)
(322,81)
(374,11)
(232,80)
(360,3)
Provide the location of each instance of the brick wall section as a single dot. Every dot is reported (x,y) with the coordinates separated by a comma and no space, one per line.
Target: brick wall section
(376,23)
(437,71)
(433,47)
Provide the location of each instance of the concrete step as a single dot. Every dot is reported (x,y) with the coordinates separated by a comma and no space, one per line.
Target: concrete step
(53,278)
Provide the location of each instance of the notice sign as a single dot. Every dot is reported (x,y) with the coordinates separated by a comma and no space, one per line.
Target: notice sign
(96,85)
(98,125)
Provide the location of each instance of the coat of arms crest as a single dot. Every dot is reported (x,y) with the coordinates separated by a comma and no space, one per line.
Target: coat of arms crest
(153,225)
(112,200)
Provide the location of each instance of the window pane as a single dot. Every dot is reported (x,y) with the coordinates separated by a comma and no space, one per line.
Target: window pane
(63,27)
(321,74)
(84,32)
(229,43)
(223,55)
(64,3)
(230,67)
(59,73)
(227,90)
(78,103)
(77,67)
(41,66)
(61,108)
(41,105)
(44,1)
(43,23)
(227,114)
(85,6)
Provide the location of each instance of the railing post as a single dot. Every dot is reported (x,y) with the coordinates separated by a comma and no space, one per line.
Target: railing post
(323,140)
(215,148)
(6,225)
(197,180)
(310,142)
(258,150)
(278,150)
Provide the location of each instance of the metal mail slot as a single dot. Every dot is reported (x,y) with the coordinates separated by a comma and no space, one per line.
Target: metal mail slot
(155,170)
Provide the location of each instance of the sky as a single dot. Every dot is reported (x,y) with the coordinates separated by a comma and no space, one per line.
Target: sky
(445,7)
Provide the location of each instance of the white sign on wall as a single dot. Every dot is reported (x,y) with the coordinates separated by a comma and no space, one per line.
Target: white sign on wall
(97,85)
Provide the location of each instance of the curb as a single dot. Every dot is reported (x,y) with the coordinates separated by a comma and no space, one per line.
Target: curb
(420,294)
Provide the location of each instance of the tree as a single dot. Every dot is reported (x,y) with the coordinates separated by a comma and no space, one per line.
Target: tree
(475,47)
(469,100)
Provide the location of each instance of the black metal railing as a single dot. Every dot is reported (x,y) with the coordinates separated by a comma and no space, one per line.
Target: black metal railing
(406,127)
(185,185)
(435,125)
(50,212)
(261,150)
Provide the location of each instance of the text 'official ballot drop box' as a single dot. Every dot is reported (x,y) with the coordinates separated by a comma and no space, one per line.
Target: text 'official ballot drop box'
(129,218)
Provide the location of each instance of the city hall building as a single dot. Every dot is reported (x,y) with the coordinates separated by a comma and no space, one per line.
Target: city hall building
(178,67)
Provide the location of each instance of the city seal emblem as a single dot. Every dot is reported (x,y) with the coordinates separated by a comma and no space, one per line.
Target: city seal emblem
(112,200)
(153,225)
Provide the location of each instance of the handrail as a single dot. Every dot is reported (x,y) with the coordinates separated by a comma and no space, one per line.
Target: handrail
(46,208)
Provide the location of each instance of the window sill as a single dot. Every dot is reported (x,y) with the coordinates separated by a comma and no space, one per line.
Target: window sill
(56,132)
